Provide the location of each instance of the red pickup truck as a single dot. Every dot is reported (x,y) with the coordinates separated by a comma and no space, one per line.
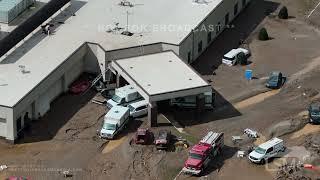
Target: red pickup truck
(202,153)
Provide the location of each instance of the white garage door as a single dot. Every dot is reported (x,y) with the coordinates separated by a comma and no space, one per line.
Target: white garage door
(48,96)
(3,127)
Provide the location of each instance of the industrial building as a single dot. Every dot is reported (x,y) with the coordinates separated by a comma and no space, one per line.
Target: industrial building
(105,35)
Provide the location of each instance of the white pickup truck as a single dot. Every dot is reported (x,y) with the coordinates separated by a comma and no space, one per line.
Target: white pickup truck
(230,58)
(114,121)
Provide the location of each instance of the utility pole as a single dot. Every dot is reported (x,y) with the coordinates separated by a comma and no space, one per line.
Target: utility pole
(127,21)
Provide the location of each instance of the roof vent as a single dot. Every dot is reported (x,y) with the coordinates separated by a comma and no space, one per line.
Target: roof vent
(201,2)
(116,111)
(23,69)
(131,87)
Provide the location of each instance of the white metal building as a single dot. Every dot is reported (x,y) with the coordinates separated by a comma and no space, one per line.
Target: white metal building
(89,41)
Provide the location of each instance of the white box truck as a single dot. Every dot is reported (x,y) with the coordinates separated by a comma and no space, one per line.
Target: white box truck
(191,101)
(114,121)
(123,96)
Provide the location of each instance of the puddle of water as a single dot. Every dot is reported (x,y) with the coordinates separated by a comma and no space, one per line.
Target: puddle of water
(113,144)
(255,99)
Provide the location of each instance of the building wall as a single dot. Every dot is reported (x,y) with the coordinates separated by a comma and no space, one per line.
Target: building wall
(172,47)
(37,102)
(214,23)
(6,122)
(134,51)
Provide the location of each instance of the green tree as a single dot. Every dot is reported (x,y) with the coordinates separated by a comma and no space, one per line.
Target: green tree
(263,34)
(242,58)
(283,13)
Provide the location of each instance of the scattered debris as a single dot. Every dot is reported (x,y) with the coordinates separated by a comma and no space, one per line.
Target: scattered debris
(241,154)
(251,133)
(293,172)
(181,143)
(67,174)
(3,167)
(236,139)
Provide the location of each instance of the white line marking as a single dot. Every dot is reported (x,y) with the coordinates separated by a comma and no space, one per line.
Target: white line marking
(181,130)
(313,10)
(177,175)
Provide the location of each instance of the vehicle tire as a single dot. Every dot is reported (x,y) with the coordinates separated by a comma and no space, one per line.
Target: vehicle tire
(263,161)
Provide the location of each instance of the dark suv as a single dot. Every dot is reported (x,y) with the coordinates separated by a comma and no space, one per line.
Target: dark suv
(314,113)
(275,80)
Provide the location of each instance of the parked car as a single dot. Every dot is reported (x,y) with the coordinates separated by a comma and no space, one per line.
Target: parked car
(142,136)
(314,113)
(123,96)
(275,80)
(230,58)
(163,140)
(79,87)
(267,150)
(139,108)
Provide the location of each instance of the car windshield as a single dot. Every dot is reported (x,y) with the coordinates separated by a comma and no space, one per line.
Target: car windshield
(260,150)
(228,58)
(315,113)
(195,156)
(130,108)
(116,98)
(273,79)
(109,126)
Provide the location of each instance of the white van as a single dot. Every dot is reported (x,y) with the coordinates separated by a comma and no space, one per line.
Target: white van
(114,121)
(230,58)
(123,96)
(190,101)
(267,150)
(139,108)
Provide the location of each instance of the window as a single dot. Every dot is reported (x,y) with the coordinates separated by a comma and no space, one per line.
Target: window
(199,46)
(189,57)
(2,120)
(270,150)
(141,108)
(19,124)
(244,3)
(226,19)
(209,37)
(218,27)
(235,9)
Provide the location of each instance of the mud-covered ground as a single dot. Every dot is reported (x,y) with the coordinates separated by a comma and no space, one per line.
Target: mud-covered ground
(65,138)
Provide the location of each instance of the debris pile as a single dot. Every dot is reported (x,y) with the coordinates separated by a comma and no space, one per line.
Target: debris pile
(291,172)
(313,144)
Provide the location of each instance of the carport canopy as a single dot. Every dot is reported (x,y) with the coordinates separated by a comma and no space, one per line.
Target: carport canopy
(161,76)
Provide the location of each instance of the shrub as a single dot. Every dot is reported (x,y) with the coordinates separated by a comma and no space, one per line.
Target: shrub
(263,34)
(283,13)
(242,59)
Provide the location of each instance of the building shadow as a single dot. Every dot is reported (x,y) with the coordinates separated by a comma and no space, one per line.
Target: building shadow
(244,24)
(39,35)
(223,109)
(61,111)
(218,161)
